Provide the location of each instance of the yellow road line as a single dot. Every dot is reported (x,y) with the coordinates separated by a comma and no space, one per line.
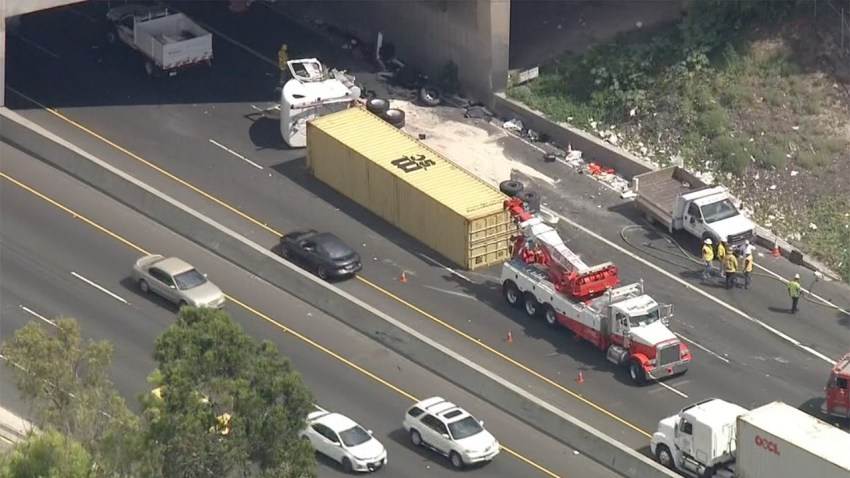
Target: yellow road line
(387,293)
(257,313)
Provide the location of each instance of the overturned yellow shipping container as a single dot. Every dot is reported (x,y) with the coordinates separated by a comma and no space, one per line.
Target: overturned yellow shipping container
(411,186)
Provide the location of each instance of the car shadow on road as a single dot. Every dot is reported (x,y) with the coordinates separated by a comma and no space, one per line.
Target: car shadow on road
(400,436)
(132,286)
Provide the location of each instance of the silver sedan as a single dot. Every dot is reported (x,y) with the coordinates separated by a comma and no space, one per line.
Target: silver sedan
(176,281)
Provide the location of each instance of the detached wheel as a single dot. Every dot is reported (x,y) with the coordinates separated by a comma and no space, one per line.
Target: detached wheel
(531,199)
(664,457)
(512,294)
(429,96)
(395,117)
(456,460)
(511,188)
(143,286)
(377,106)
(636,372)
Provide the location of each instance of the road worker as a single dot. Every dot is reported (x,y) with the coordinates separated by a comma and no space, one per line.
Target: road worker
(707,257)
(748,268)
(795,290)
(282,60)
(730,264)
(721,252)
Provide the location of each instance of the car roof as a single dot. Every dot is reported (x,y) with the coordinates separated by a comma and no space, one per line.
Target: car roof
(172,265)
(331,243)
(440,407)
(335,421)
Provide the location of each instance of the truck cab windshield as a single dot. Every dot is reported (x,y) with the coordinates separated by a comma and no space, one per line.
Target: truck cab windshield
(644,319)
(719,211)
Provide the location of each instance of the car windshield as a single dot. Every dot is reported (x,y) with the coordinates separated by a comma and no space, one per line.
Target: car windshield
(645,319)
(189,279)
(719,211)
(354,436)
(464,428)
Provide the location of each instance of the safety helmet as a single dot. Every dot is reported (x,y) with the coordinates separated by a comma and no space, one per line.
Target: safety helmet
(796,276)
(284,47)
(708,240)
(747,242)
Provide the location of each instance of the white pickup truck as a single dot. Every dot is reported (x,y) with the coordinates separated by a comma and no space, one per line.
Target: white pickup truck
(679,200)
(169,41)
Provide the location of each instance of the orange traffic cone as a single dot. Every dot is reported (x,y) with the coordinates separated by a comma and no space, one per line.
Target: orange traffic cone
(580,378)
(776,252)
(510,338)
(403,278)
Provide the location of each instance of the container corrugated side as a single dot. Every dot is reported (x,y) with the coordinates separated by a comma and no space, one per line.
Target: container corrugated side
(778,440)
(412,187)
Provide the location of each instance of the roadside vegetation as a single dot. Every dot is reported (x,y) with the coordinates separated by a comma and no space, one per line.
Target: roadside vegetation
(755,94)
(224,406)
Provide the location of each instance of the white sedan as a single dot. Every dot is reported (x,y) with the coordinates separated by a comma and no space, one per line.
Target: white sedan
(343,440)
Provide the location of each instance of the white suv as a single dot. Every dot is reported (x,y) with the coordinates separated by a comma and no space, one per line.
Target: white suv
(448,429)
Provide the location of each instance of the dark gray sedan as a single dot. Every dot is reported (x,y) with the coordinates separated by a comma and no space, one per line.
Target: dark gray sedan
(320,252)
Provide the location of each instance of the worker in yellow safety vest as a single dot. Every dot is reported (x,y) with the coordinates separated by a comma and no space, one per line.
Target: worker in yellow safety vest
(748,268)
(730,263)
(721,252)
(282,60)
(707,257)
(795,290)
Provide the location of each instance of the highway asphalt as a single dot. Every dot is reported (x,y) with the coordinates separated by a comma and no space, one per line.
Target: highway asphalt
(180,125)
(55,262)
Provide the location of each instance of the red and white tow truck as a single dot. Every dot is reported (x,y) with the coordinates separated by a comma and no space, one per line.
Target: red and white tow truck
(546,278)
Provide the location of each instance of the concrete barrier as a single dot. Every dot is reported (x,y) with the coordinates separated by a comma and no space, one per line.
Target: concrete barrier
(349,309)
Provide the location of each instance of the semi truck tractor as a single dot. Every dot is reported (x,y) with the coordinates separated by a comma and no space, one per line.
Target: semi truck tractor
(718,439)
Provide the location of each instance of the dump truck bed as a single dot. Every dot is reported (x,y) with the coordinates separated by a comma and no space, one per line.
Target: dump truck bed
(657,191)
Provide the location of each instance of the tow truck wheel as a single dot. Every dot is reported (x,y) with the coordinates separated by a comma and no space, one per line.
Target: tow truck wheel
(636,372)
(512,294)
(662,453)
(550,315)
(532,307)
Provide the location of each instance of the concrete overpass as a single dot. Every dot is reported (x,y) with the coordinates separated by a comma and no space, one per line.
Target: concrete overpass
(473,34)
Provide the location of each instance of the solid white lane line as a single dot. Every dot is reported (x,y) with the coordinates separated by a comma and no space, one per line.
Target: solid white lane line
(459,294)
(668,387)
(702,347)
(100,288)
(36,315)
(452,271)
(243,158)
(37,46)
(696,289)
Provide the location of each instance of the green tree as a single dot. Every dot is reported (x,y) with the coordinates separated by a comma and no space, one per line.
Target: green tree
(65,380)
(47,455)
(225,404)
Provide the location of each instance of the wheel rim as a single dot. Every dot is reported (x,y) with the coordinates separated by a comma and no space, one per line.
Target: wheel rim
(664,457)
(323,273)
(511,295)
(456,461)
(143,286)
(287,253)
(149,68)
(551,318)
(415,438)
(633,371)
(531,307)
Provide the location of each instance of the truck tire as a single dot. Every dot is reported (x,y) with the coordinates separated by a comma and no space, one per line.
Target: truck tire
(532,307)
(636,372)
(512,294)
(511,188)
(111,37)
(150,68)
(531,200)
(394,117)
(377,106)
(550,315)
(664,457)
